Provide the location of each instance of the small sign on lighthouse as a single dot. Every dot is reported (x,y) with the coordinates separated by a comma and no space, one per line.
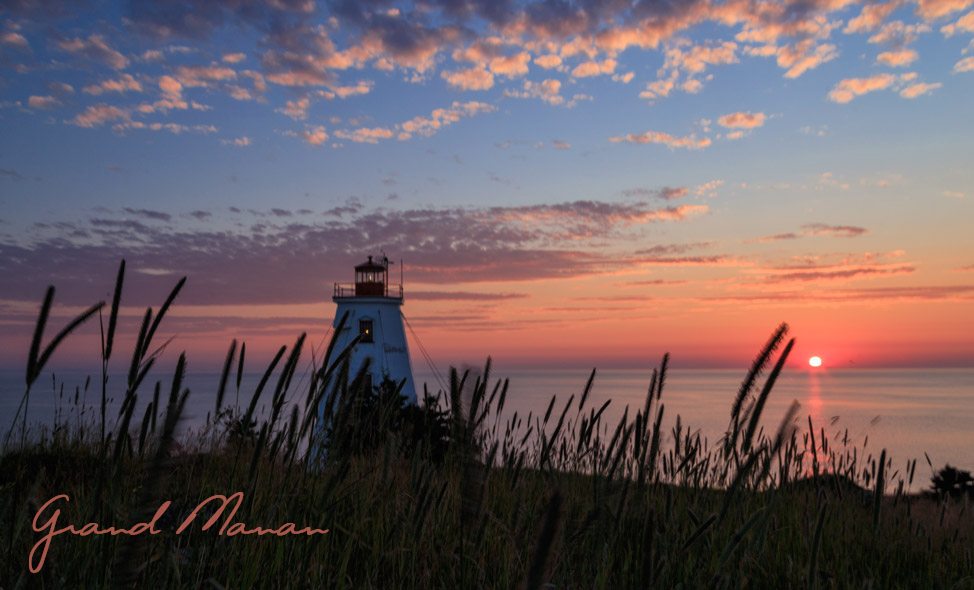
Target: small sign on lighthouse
(375,317)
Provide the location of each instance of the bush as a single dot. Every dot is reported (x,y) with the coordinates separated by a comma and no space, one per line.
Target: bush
(953,482)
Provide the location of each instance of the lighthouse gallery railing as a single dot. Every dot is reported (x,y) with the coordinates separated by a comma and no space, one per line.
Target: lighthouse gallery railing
(349,290)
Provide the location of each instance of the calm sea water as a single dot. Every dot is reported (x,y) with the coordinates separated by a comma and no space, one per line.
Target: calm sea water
(906,411)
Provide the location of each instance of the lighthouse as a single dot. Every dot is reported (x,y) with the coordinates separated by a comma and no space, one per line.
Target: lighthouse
(375,317)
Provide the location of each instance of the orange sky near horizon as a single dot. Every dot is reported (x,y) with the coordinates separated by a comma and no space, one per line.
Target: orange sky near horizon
(605,320)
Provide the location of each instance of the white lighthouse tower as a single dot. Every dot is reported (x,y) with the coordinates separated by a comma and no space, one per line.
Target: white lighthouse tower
(374,315)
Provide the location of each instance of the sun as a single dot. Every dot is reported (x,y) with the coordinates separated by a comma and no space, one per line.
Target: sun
(815,362)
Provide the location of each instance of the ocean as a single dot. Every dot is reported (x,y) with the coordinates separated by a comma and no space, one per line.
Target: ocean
(908,412)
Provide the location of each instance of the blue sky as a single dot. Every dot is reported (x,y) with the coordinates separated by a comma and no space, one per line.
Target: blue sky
(817,149)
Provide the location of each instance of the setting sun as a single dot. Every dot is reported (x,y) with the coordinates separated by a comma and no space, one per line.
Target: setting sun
(815,362)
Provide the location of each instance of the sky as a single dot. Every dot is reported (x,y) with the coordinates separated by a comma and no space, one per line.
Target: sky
(566,183)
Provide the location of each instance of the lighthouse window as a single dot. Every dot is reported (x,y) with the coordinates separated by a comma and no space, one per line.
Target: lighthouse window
(365,330)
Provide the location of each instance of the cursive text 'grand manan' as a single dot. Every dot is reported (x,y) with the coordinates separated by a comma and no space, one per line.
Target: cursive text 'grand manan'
(226,508)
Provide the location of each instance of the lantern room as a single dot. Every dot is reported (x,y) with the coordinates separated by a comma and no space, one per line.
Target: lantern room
(371,280)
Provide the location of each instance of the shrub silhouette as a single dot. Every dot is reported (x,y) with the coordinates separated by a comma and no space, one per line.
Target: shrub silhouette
(373,414)
(953,482)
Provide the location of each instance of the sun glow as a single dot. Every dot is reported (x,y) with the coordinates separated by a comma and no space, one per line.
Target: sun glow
(815,362)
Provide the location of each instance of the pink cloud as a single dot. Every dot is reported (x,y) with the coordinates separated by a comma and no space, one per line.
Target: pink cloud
(126,83)
(964,24)
(96,48)
(899,34)
(440,118)
(848,89)
(14,39)
(688,142)
(475,78)
(170,87)
(43,102)
(315,135)
(548,61)
(835,231)
(964,65)
(296,109)
(683,61)
(365,134)
(359,88)
(546,90)
(934,9)
(742,120)
(896,59)
(99,114)
(594,68)
(803,56)
(919,89)
(871,17)
(512,66)
(839,274)
(286,257)
(204,76)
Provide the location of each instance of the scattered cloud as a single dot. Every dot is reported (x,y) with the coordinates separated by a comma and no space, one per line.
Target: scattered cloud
(839,273)
(898,34)
(234,58)
(898,58)
(658,137)
(237,142)
(964,24)
(282,257)
(14,39)
(709,188)
(591,68)
(804,56)
(99,114)
(126,83)
(816,230)
(548,61)
(475,78)
(833,231)
(442,117)
(96,48)
(311,47)
(935,9)
(43,102)
(683,65)
(148,214)
(813,130)
(908,85)
(863,296)
(871,17)
(463,296)
(964,65)
(546,90)
(919,89)
(315,135)
(742,120)
(848,89)
(667,193)
(365,134)
(296,109)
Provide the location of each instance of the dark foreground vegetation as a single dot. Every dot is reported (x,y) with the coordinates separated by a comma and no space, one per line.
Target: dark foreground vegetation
(459,493)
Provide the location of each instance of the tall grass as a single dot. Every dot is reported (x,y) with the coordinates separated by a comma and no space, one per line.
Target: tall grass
(460,492)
